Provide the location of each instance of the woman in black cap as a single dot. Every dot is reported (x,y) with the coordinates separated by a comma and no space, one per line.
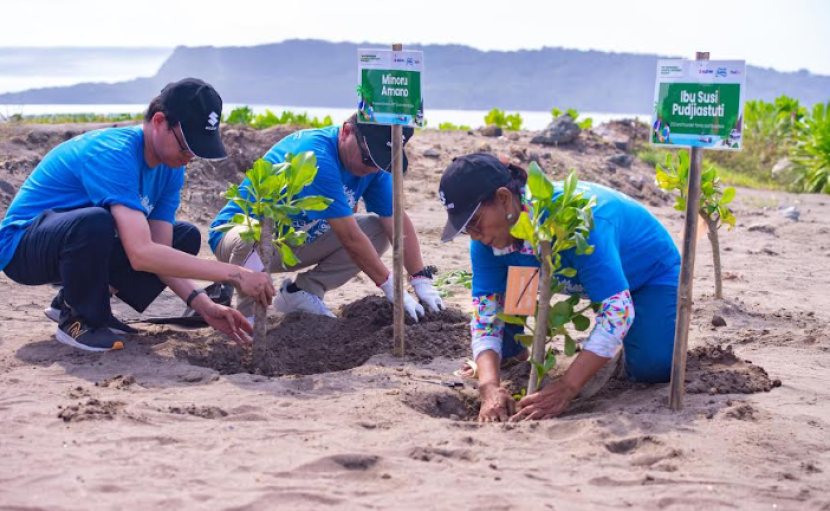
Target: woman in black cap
(634,263)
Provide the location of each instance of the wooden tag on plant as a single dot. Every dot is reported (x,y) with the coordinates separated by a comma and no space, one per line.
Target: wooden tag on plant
(522,291)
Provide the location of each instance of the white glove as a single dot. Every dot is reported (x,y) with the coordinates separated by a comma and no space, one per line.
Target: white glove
(412,307)
(427,293)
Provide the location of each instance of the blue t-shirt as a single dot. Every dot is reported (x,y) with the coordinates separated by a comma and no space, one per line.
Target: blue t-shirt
(99,168)
(632,249)
(333,180)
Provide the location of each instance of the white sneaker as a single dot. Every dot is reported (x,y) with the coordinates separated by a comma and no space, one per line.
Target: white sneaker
(301,301)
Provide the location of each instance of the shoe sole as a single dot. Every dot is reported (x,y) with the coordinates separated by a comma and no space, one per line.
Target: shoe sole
(64,338)
(55,315)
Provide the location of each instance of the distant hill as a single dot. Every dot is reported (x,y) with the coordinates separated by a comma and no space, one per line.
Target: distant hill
(318,73)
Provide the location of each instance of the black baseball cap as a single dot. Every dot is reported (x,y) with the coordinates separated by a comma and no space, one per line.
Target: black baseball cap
(467,182)
(378,138)
(198,108)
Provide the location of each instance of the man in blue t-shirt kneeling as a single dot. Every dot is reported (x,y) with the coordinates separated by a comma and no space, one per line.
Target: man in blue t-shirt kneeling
(97,216)
(351,162)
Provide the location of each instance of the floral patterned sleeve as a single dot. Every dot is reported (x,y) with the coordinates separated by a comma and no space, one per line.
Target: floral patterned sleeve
(486,327)
(614,318)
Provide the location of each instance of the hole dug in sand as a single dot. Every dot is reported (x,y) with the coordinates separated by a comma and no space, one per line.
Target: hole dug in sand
(444,404)
(305,344)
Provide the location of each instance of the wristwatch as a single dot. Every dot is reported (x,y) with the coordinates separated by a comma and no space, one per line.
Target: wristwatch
(427,272)
(193,295)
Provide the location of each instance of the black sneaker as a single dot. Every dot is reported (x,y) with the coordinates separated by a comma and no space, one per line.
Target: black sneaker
(72,331)
(58,308)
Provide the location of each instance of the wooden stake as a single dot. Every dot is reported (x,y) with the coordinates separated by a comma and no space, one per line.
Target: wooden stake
(540,336)
(687,272)
(397,243)
(265,249)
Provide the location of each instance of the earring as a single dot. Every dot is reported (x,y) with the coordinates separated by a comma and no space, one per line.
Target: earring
(510,216)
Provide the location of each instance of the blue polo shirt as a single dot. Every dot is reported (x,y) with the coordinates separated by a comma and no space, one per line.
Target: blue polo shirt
(333,180)
(632,249)
(99,168)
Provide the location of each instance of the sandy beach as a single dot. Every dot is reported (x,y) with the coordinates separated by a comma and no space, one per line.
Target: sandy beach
(174,422)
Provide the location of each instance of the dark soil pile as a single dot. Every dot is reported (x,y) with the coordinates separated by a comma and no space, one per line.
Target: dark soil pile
(92,409)
(717,370)
(309,344)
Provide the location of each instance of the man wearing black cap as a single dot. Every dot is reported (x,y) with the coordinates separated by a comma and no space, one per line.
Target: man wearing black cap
(97,216)
(340,243)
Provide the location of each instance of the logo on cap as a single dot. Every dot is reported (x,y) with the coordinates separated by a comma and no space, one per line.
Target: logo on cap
(449,206)
(213,120)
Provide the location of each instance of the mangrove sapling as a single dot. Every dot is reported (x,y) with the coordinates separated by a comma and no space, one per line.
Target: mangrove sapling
(555,223)
(268,204)
(714,199)
(586,123)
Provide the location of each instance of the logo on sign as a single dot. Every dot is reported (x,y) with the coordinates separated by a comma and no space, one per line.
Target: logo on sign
(721,72)
(705,72)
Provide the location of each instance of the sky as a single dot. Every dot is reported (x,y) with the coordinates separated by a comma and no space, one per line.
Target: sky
(787,35)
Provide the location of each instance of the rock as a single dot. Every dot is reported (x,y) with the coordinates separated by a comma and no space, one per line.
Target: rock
(790,213)
(768,229)
(7,187)
(636,181)
(484,147)
(623,160)
(563,130)
(432,153)
(491,131)
(718,321)
(191,377)
(534,157)
(513,137)
(621,145)
(518,152)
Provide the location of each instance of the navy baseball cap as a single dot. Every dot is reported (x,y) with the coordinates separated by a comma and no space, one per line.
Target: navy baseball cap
(378,138)
(467,182)
(198,108)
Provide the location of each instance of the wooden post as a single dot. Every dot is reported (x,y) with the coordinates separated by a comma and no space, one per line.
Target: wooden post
(397,243)
(265,249)
(540,336)
(687,272)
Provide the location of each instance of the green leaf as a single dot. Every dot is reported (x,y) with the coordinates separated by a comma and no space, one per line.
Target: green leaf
(569,186)
(550,361)
(223,228)
(582,246)
(312,203)
(523,228)
(513,320)
(570,346)
(305,168)
(525,339)
(728,195)
(581,323)
(567,272)
(540,187)
(288,257)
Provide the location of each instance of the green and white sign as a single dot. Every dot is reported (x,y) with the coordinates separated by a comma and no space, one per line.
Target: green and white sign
(389,87)
(699,103)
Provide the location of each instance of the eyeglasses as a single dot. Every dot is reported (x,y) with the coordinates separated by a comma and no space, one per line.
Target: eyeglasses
(472,223)
(365,156)
(183,148)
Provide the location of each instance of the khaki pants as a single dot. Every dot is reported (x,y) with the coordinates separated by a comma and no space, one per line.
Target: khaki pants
(332,266)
